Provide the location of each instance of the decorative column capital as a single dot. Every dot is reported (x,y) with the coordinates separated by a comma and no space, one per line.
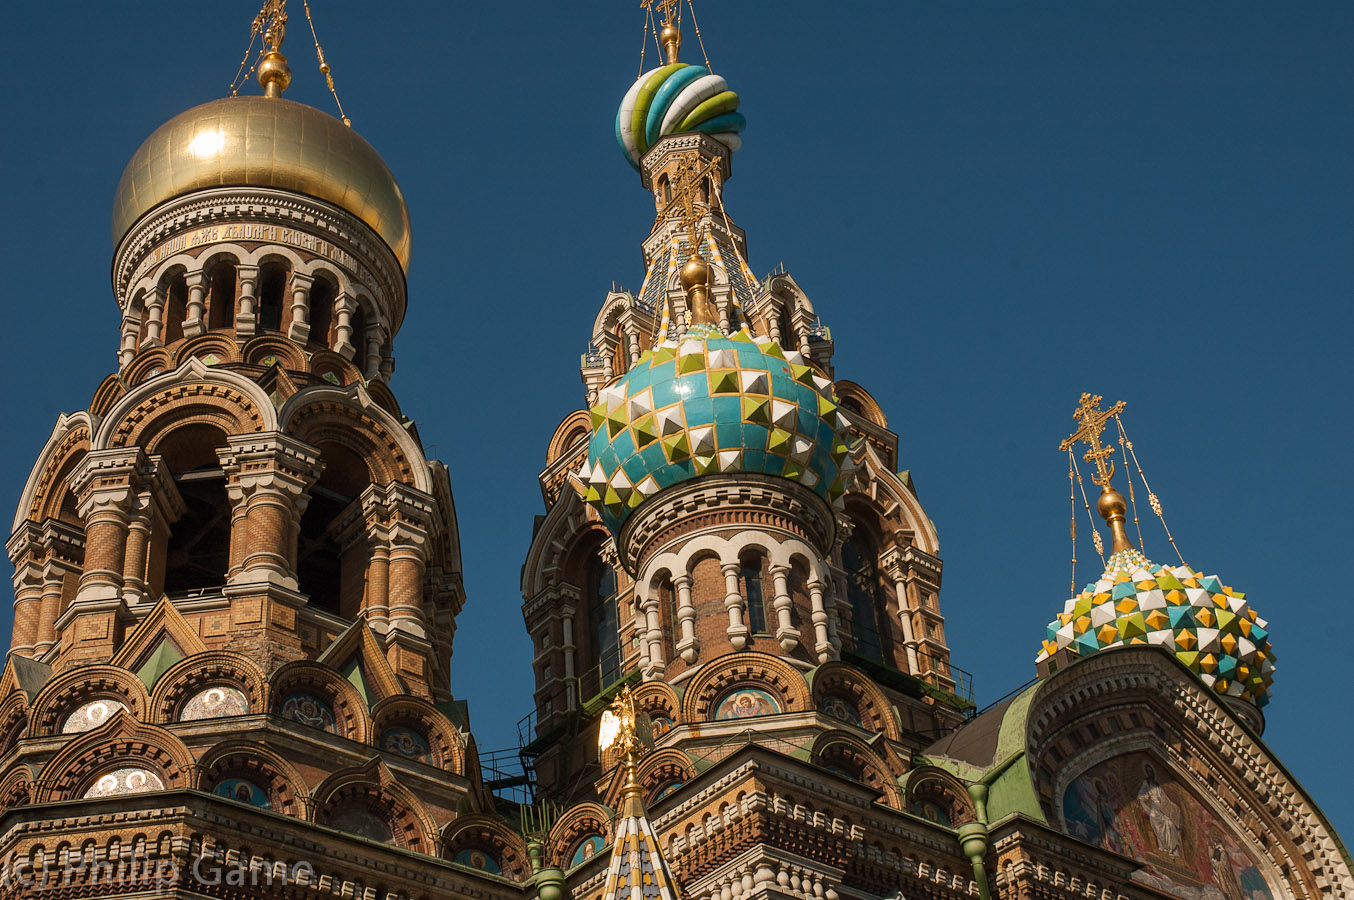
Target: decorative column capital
(268,461)
(105,482)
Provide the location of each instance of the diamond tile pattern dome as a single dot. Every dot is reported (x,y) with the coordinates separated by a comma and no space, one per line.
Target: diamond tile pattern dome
(1207,625)
(711,404)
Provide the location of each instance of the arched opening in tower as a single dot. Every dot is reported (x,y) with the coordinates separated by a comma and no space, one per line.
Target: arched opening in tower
(195,555)
(221,298)
(272,295)
(333,548)
(176,306)
(322,295)
(860,560)
(604,629)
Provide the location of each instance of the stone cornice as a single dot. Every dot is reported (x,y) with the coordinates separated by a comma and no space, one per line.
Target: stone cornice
(377,265)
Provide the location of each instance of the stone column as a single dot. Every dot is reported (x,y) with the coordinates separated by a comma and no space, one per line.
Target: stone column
(157,505)
(408,521)
(197,293)
(773,324)
(825,646)
(653,635)
(246,320)
(155,319)
(300,307)
(106,484)
(267,475)
(733,602)
(377,599)
(785,631)
(131,327)
(345,307)
(632,344)
(686,619)
(893,564)
(567,613)
(375,337)
(25,552)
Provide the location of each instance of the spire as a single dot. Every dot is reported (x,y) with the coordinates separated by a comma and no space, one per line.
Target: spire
(273,73)
(1111,504)
(691,178)
(638,870)
(671,34)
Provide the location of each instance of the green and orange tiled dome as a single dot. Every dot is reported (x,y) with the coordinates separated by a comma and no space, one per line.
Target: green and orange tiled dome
(711,404)
(1207,625)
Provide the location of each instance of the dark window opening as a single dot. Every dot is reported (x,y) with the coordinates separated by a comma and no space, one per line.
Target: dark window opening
(604,618)
(221,297)
(862,592)
(176,309)
(667,611)
(332,575)
(322,295)
(198,552)
(756,597)
(318,552)
(272,296)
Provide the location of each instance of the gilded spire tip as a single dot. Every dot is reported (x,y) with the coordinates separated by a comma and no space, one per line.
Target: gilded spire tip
(273,73)
(1111,505)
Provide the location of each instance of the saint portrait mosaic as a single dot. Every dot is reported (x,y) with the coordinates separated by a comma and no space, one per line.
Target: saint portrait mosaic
(130,780)
(215,702)
(478,859)
(406,742)
(243,790)
(587,849)
(309,710)
(747,703)
(88,716)
(1131,805)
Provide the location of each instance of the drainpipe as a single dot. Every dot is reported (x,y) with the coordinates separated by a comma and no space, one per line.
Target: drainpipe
(973,839)
(549,881)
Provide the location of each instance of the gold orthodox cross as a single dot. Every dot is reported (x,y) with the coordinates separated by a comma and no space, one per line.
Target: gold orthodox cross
(682,207)
(1093,420)
(664,6)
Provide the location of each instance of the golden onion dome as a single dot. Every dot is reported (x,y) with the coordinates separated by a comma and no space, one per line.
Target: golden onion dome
(264,142)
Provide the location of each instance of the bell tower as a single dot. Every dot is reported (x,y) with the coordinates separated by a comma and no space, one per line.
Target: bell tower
(237,573)
(727,534)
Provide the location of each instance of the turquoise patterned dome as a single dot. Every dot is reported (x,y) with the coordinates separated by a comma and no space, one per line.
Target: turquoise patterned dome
(711,404)
(1207,625)
(673,99)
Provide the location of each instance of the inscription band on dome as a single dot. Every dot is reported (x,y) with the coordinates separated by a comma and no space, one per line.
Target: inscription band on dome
(246,231)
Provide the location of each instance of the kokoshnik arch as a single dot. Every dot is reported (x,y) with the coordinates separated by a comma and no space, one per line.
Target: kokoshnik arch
(237,577)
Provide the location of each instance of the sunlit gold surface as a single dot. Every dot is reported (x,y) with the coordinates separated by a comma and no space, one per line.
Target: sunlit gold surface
(264,142)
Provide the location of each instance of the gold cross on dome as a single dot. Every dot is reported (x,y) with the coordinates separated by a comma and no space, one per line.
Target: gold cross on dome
(1093,420)
(682,207)
(664,6)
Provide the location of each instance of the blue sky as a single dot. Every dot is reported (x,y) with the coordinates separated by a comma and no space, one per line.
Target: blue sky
(994,206)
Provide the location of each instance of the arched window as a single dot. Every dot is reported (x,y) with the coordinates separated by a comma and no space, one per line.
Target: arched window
(197,552)
(754,593)
(667,611)
(272,295)
(330,573)
(322,294)
(862,592)
(176,308)
(666,187)
(604,621)
(221,297)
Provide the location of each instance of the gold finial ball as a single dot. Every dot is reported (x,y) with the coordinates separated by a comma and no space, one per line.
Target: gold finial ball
(669,34)
(695,273)
(1111,503)
(273,73)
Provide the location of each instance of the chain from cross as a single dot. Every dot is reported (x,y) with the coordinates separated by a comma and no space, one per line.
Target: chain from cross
(1093,420)
(682,207)
(664,6)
